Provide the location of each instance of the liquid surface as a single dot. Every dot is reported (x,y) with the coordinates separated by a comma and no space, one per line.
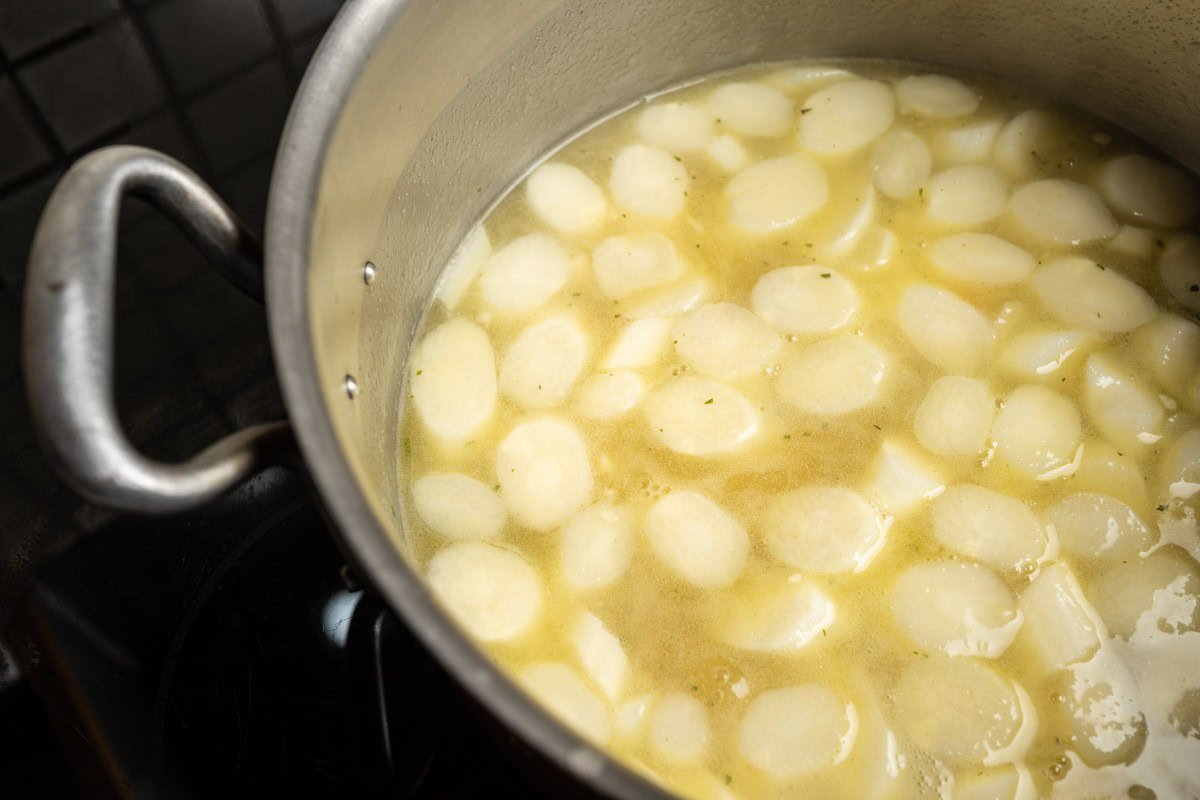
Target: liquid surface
(817,433)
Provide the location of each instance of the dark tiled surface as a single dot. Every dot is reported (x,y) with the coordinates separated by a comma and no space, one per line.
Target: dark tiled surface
(26,25)
(253,106)
(94,84)
(201,40)
(21,149)
(209,82)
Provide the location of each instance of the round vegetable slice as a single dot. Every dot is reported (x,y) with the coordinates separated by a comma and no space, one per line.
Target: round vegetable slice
(1036,432)
(544,472)
(804,300)
(752,109)
(700,417)
(560,689)
(969,194)
(988,526)
(635,262)
(935,96)
(955,416)
(834,376)
(956,607)
(777,192)
(491,592)
(846,117)
(679,730)
(457,506)
(900,164)
(565,198)
(676,127)
(1063,211)
(543,362)
(823,529)
(796,730)
(453,379)
(597,544)
(944,328)
(1148,191)
(1080,293)
(725,340)
(981,258)
(697,539)
(524,274)
(1091,526)
(648,181)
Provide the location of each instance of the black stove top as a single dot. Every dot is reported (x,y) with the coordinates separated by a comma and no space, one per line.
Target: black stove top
(226,652)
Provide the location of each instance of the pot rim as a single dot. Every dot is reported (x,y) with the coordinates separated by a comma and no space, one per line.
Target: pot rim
(332,74)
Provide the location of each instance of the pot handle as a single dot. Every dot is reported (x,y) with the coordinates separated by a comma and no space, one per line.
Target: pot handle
(68,333)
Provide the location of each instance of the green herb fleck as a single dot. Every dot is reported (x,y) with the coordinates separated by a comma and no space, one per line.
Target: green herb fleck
(805,110)
(1194,288)
(1162,507)
(1101,266)
(677,158)
(824,632)
(407,447)
(1159,244)
(616,316)
(808,244)
(787,436)
(876,427)
(576,294)
(708,402)
(420,371)
(728,779)
(826,275)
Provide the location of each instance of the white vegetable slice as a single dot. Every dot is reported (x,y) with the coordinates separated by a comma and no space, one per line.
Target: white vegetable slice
(671,301)
(457,506)
(544,473)
(935,96)
(1179,268)
(807,77)
(900,164)
(752,109)
(700,417)
(1157,593)
(1179,470)
(806,300)
(543,362)
(565,198)
(1124,410)
(956,607)
(525,273)
(728,154)
(1039,354)
(1091,526)
(774,618)
(969,194)
(901,479)
(1148,191)
(796,730)
(846,116)
(970,143)
(989,527)
(955,416)
(1105,705)
(596,546)
(634,262)
(777,192)
(631,715)
(1060,626)
(977,711)
(1063,211)
(725,340)
(560,689)
(1170,346)
(1018,144)
(823,529)
(833,376)
(1106,470)
(1133,241)
(944,328)
(679,731)
(697,539)
(609,394)
(453,379)
(649,181)
(850,229)
(639,344)
(491,592)
(676,127)
(1036,432)
(601,654)
(1078,292)
(463,267)
(981,258)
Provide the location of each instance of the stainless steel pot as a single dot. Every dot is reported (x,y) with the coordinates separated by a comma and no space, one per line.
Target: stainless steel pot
(414,117)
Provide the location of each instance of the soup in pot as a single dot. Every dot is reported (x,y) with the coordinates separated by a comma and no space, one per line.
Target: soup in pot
(831,431)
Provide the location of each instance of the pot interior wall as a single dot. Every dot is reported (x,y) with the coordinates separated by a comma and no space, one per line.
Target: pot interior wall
(460,96)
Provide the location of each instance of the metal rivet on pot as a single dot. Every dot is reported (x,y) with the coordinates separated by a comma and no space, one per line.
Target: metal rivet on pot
(368,273)
(351,386)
